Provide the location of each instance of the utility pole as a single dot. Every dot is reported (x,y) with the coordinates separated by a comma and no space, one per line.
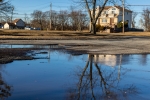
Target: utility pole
(50,16)
(79,25)
(123,16)
(25,18)
(12,14)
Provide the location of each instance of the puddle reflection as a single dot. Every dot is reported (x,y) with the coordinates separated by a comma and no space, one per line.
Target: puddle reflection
(61,76)
(95,82)
(5,89)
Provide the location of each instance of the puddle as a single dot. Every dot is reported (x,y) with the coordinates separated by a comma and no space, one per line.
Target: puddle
(59,75)
(28,46)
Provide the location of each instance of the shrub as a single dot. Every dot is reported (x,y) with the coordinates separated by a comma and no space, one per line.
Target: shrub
(120,24)
(100,28)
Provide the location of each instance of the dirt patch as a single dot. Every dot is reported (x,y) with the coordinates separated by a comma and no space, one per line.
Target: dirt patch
(9,55)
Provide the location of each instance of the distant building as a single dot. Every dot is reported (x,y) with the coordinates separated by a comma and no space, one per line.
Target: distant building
(111,15)
(9,26)
(20,24)
(16,24)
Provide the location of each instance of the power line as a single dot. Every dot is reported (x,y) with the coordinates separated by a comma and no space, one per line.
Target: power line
(35,5)
(138,5)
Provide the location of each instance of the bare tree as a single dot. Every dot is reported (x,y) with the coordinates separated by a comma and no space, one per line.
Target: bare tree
(145,20)
(95,8)
(74,19)
(95,82)
(134,14)
(91,8)
(78,19)
(51,19)
(54,20)
(26,18)
(5,9)
(63,19)
(38,18)
(83,21)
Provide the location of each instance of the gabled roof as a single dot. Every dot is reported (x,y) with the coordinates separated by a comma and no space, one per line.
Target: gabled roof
(16,20)
(119,7)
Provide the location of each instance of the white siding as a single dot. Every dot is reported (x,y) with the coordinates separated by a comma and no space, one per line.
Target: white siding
(112,11)
(6,26)
(109,60)
(120,18)
(127,16)
(115,13)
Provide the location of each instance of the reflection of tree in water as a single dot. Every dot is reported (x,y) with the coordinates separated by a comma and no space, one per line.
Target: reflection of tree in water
(5,89)
(96,82)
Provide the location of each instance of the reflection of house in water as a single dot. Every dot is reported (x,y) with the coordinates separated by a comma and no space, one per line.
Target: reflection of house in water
(109,60)
(112,60)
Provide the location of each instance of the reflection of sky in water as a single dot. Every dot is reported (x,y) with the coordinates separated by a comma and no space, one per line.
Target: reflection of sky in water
(16,46)
(24,46)
(45,79)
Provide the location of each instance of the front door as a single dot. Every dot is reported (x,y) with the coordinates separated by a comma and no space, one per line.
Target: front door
(111,21)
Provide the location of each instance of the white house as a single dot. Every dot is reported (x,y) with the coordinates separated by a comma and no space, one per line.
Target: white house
(9,26)
(108,60)
(111,15)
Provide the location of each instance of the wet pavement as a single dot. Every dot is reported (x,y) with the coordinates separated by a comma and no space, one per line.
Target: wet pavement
(100,46)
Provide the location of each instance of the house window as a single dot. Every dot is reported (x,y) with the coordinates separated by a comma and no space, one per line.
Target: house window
(112,12)
(104,12)
(113,8)
(104,20)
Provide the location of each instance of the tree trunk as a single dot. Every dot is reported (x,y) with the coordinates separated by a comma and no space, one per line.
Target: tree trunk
(93,28)
(41,26)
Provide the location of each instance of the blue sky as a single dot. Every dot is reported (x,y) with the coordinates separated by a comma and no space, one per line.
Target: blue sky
(28,6)
(138,9)
(25,6)
(138,2)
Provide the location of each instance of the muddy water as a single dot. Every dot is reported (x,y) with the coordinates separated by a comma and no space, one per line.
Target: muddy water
(60,75)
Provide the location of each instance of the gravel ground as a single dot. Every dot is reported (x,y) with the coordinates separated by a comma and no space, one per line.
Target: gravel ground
(101,46)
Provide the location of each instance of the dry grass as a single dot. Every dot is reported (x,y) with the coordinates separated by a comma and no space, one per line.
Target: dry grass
(36,34)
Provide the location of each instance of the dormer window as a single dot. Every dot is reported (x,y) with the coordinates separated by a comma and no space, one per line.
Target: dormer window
(113,8)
